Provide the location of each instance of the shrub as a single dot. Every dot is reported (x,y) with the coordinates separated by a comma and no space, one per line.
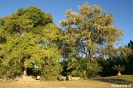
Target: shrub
(82,68)
(51,71)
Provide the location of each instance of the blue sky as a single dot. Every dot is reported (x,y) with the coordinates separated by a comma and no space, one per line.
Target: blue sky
(122,10)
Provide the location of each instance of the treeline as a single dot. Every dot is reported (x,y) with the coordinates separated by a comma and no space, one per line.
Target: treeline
(31,44)
(122,62)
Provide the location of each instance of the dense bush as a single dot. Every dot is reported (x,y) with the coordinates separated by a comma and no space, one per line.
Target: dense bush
(51,71)
(82,68)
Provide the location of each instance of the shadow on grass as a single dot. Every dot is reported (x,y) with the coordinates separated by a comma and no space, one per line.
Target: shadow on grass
(114,80)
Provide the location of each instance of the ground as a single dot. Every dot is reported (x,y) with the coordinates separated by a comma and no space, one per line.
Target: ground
(102,82)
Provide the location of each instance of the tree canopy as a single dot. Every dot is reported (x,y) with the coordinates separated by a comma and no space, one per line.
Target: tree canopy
(90,31)
(28,40)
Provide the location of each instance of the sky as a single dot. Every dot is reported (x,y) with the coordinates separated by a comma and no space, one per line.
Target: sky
(122,10)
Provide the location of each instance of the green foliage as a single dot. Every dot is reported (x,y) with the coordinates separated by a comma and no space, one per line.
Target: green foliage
(119,68)
(22,49)
(51,71)
(28,40)
(13,69)
(130,44)
(124,52)
(26,19)
(80,67)
(90,32)
(51,68)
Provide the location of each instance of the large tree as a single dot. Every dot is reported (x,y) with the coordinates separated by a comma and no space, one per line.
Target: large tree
(90,32)
(28,39)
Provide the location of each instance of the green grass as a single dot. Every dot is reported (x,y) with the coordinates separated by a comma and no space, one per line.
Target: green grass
(102,82)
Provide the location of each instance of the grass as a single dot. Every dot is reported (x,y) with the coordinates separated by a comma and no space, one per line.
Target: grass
(102,82)
(123,79)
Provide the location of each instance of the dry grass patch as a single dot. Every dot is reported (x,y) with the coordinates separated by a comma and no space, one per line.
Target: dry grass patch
(105,82)
(55,84)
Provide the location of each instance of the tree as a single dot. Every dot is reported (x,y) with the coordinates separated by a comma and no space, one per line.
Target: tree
(28,39)
(119,69)
(130,44)
(129,58)
(90,32)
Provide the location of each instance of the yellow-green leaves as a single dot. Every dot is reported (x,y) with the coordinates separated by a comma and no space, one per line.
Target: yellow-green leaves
(51,32)
(73,18)
(89,29)
(125,52)
(28,39)
(26,20)
(119,67)
(86,9)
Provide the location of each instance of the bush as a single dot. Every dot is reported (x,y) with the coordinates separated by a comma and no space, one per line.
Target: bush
(82,68)
(51,71)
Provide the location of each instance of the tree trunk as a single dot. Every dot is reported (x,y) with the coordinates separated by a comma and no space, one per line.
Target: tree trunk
(69,77)
(119,73)
(25,72)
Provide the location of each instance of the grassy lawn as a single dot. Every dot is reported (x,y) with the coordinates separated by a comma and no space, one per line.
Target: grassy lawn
(103,82)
